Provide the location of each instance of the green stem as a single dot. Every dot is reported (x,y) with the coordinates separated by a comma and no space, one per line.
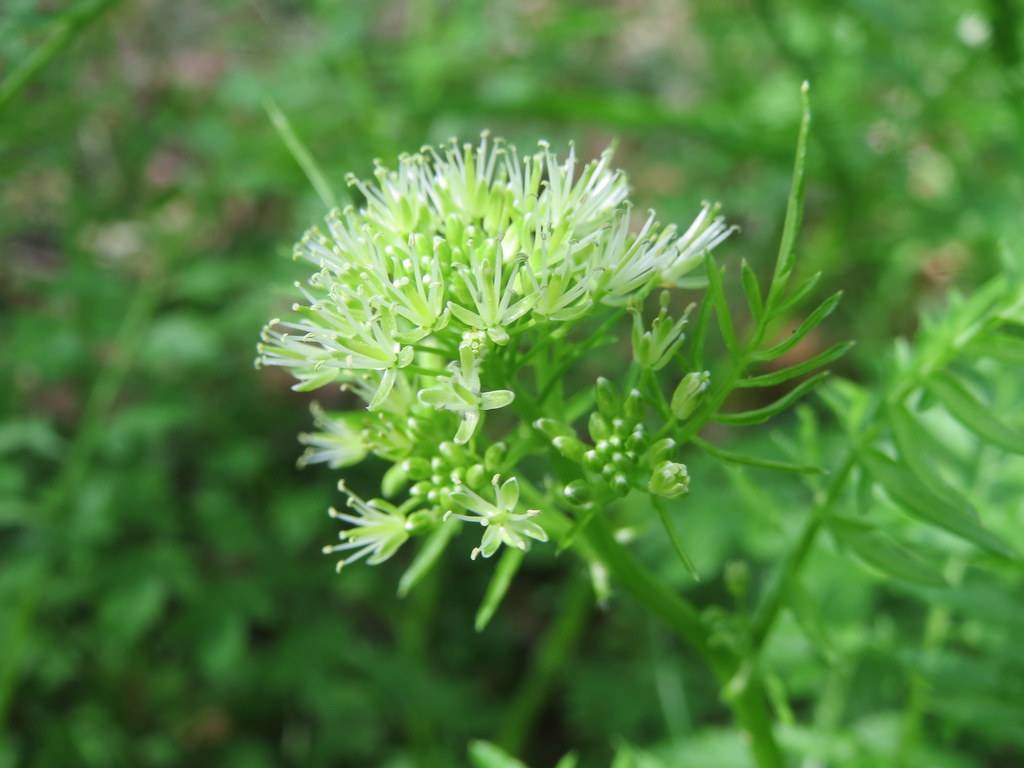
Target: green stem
(673,535)
(64,32)
(778,588)
(750,705)
(412,634)
(548,664)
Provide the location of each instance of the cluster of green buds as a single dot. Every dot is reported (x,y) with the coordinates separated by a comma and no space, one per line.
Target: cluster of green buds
(428,298)
(621,455)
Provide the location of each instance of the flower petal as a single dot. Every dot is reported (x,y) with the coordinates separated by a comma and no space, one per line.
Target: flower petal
(533,530)
(472,501)
(467,427)
(498,335)
(387,383)
(491,541)
(472,319)
(508,494)
(440,396)
(497,398)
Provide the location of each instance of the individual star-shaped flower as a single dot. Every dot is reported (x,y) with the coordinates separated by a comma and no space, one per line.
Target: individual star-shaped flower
(461,394)
(377,531)
(339,441)
(504,525)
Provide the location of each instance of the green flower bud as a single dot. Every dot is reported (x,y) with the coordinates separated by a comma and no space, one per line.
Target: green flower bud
(660,451)
(394,480)
(608,402)
(620,483)
(578,492)
(477,476)
(417,468)
(633,407)
(669,479)
(637,438)
(687,395)
(570,447)
(598,427)
(454,454)
(494,456)
(553,428)
(420,521)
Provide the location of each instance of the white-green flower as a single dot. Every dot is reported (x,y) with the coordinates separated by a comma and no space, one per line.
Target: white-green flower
(669,479)
(377,531)
(339,443)
(491,286)
(319,354)
(558,292)
(477,233)
(460,393)
(504,525)
(706,232)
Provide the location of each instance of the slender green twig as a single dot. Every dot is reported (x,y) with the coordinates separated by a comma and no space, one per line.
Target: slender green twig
(298,151)
(673,535)
(64,32)
(548,663)
(750,705)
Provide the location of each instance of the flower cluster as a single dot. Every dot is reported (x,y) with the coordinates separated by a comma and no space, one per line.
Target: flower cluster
(422,299)
(621,456)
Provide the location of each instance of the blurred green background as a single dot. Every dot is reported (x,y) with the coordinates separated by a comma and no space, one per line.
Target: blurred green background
(162,597)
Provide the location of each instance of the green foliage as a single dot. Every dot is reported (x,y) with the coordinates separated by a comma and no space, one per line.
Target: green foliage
(849,573)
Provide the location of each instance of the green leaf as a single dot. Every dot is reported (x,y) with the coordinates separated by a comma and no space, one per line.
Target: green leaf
(761,415)
(973,414)
(717,294)
(794,206)
(483,754)
(692,283)
(504,572)
(830,355)
(700,334)
(923,503)
(801,293)
(918,448)
(882,553)
(753,461)
(812,321)
(752,290)
(569,760)
(427,556)
(1001,346)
